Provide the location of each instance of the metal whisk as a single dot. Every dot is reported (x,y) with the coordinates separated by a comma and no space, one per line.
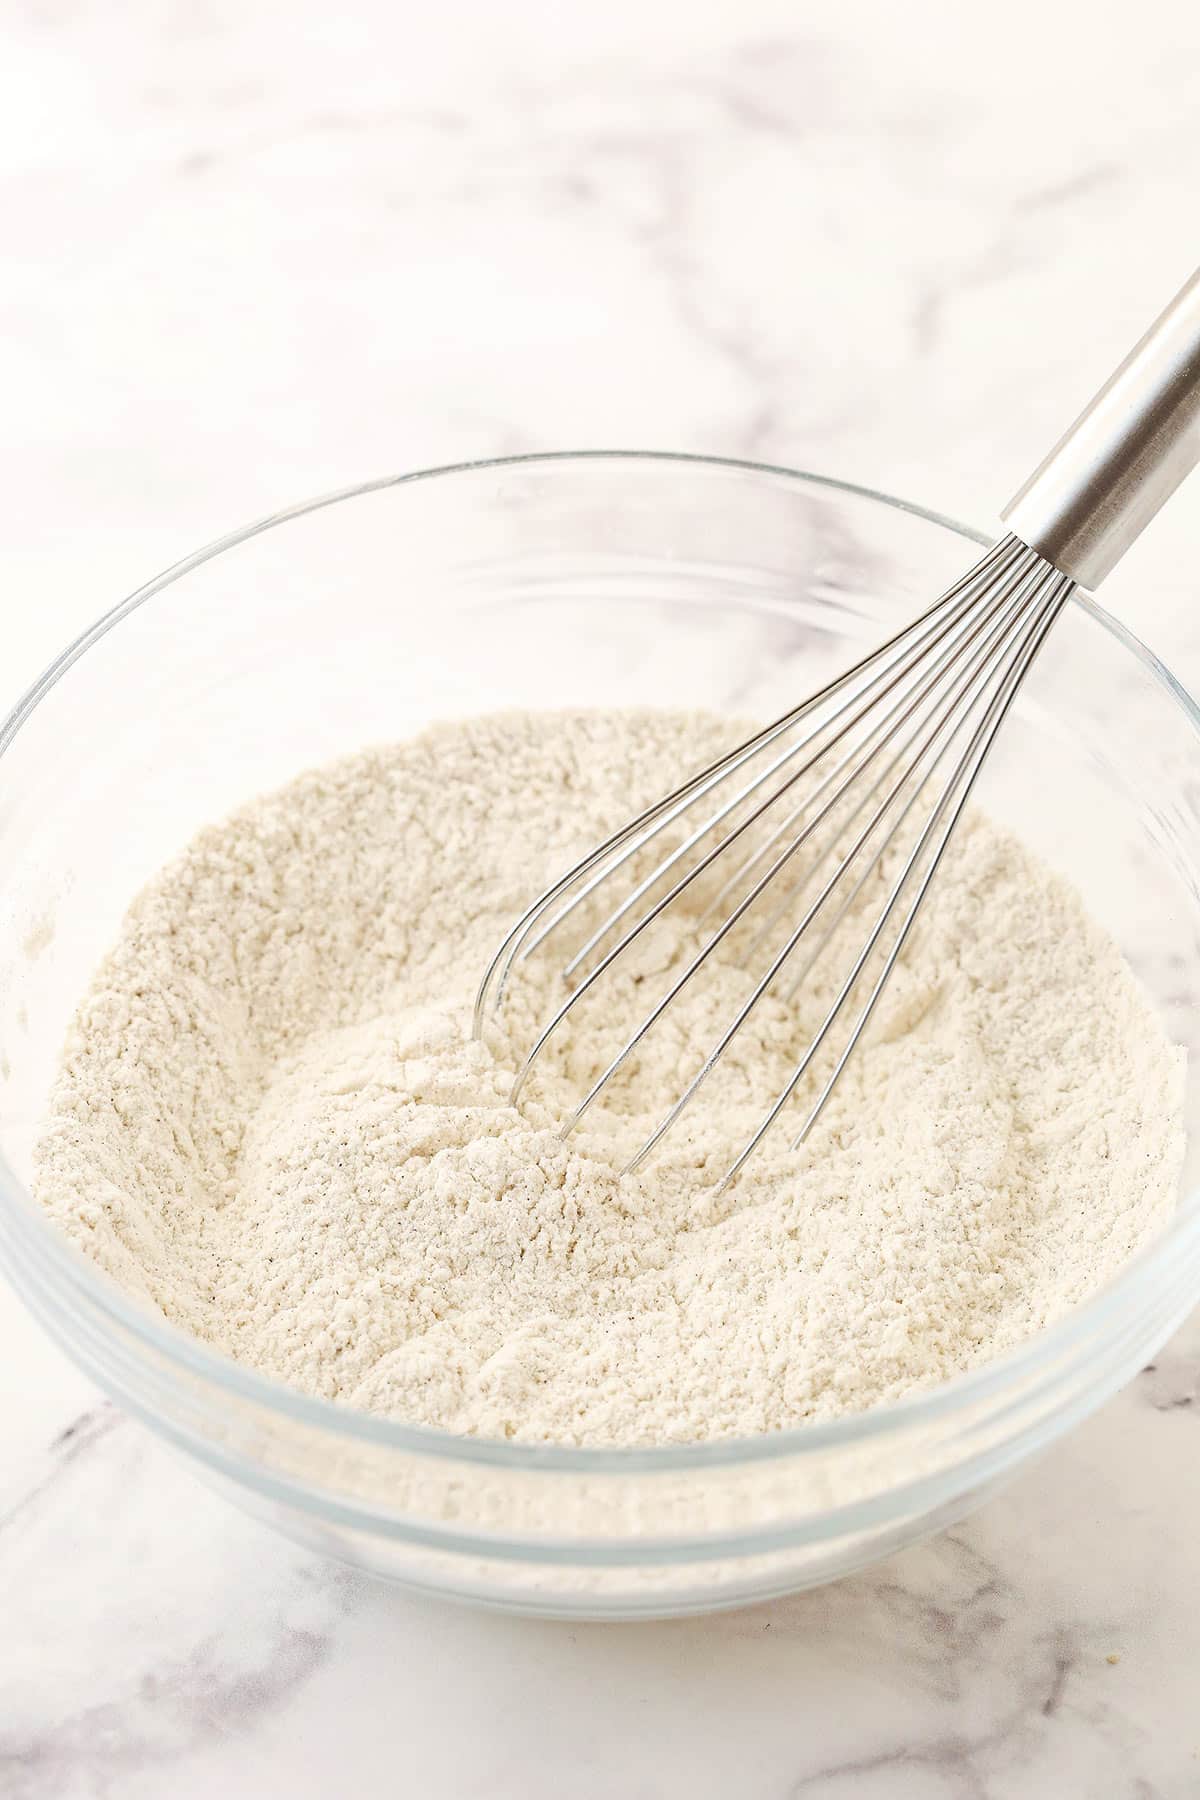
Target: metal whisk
(860,786)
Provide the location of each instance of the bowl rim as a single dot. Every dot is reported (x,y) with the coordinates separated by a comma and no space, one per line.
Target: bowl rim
(199,1359)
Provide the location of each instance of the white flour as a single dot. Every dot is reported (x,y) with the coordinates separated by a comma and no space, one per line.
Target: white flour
(270,1122)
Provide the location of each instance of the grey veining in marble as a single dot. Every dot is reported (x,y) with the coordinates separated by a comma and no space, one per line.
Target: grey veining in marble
(255,251)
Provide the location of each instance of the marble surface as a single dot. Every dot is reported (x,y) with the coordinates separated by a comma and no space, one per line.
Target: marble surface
(254,251)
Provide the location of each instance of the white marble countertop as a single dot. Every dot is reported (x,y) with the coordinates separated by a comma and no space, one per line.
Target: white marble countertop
(259,250)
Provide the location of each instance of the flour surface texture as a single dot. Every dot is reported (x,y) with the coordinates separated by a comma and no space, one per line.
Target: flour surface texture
(271,1123)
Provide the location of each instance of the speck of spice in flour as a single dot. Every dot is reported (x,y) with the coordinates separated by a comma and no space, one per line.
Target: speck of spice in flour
(272,1125)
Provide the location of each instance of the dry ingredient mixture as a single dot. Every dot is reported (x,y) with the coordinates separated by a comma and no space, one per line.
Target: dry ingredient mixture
(271,1122)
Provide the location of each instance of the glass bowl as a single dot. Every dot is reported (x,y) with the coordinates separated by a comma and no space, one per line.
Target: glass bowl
(603,580)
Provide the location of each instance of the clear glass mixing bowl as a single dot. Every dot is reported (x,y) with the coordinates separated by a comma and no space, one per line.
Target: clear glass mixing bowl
(599,580)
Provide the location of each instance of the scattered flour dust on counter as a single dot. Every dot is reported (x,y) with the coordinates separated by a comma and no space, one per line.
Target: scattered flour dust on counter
(271,1123)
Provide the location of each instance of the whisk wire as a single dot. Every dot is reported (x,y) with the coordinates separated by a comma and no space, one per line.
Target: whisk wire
(873,740)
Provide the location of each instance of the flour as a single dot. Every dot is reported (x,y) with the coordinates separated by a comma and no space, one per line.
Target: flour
(272,1125)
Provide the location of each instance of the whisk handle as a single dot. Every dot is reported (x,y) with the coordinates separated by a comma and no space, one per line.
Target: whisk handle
(1123,457)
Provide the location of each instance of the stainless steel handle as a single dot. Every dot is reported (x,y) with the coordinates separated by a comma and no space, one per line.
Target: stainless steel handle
(1123,457)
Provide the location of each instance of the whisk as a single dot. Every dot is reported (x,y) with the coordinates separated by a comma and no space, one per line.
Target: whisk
(784,839)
